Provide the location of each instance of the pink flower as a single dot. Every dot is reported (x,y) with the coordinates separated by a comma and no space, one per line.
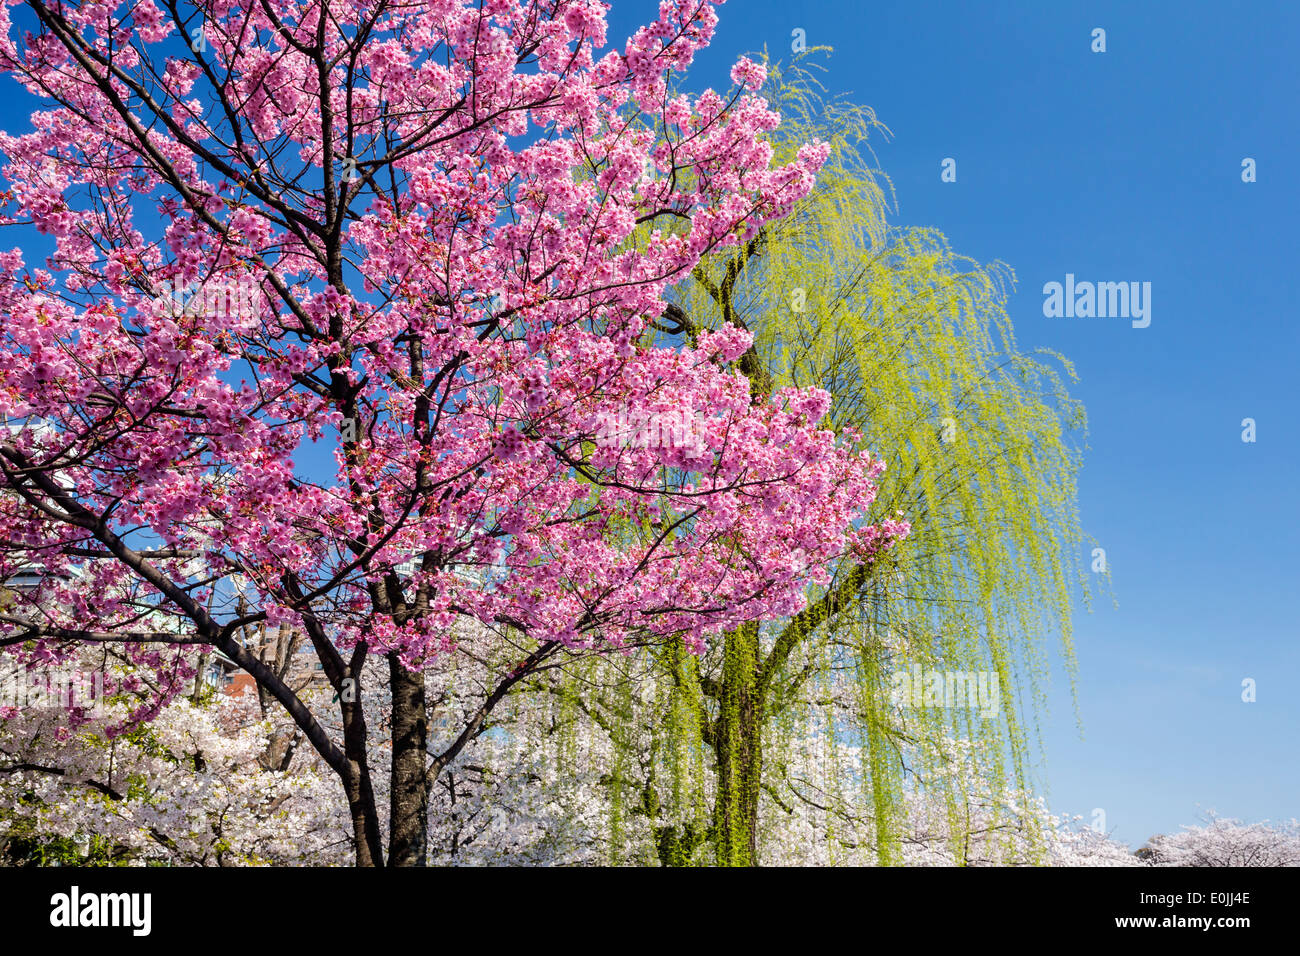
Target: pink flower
(748,74)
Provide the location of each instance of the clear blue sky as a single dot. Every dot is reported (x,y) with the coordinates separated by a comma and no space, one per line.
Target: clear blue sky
(1125,166)
(1118,166)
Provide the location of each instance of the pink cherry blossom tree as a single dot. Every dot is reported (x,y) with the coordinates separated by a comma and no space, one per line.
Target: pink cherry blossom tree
(428,238)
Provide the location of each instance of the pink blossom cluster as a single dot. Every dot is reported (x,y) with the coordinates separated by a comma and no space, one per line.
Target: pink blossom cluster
(456,251)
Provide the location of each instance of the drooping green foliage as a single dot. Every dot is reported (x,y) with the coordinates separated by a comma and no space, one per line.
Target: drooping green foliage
(983,446)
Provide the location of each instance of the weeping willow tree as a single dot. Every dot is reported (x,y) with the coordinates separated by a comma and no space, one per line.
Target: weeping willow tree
(983,444)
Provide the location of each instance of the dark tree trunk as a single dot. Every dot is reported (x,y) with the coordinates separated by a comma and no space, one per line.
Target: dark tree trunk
(409,796)
(739,749)
(365,819)
(356,782)
(676,846)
